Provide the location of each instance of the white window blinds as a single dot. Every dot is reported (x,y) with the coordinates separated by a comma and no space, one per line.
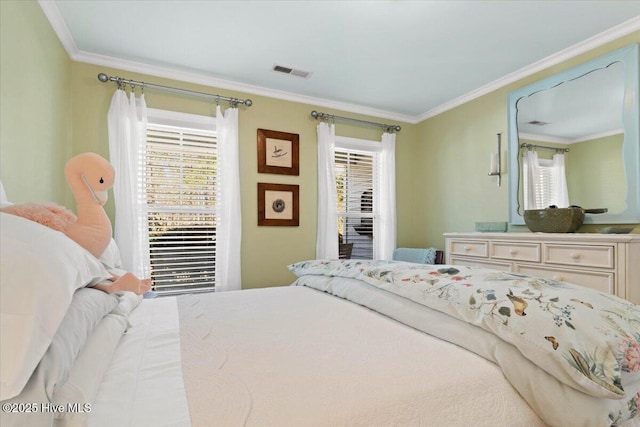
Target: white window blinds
(181,185)
(356,191)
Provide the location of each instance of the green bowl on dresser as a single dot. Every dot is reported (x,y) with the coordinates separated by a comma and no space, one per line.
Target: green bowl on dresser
(557,220)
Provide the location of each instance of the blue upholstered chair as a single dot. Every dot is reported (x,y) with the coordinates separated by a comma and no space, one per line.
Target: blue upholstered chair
(418,255)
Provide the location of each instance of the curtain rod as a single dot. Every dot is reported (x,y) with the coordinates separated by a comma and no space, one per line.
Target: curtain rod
(121,81)
(557,150)
(322,116)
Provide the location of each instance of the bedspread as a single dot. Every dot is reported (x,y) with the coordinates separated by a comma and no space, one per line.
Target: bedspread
(584,342)
(293,356)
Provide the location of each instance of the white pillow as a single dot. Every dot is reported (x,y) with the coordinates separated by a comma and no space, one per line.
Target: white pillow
(87,309)
(88,370)
(40,269)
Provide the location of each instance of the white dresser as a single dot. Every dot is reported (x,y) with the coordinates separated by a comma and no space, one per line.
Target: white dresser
(607,262)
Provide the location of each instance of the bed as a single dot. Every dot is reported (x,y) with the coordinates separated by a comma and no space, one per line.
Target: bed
(349,343)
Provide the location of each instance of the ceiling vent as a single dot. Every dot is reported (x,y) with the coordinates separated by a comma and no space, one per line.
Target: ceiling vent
(292,71)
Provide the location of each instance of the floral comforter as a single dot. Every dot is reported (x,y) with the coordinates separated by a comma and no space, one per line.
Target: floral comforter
(585,339)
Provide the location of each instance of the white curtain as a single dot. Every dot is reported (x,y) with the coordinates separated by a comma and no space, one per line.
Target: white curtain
(545,181)
(560,197)
(385,227)
(228,274)
(327,234)
(531,173)
(127,123)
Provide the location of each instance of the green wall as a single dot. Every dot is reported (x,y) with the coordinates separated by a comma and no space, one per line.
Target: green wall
(595,173)
(53,108)
(454,149)
(266,251)
(35,106)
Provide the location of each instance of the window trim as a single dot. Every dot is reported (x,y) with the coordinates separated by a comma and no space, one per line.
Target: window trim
(365,145)
(181,120)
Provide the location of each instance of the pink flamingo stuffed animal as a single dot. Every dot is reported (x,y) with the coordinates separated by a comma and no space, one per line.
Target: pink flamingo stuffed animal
(89,176)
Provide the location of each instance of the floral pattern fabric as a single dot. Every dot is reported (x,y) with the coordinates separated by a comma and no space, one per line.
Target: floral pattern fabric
(587,339)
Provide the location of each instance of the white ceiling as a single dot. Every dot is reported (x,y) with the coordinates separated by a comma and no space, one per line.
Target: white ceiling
(404,60)
(581,109)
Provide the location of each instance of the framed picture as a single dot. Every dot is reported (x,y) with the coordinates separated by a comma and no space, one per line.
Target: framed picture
(278,152)
(278,204)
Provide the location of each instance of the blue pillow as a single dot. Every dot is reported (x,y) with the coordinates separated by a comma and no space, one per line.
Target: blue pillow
(416,255)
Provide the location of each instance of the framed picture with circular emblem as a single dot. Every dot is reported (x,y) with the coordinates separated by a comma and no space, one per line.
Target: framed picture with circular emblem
(278,152)
(278,204)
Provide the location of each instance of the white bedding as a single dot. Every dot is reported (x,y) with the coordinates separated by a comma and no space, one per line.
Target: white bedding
(143,385)
(294,356)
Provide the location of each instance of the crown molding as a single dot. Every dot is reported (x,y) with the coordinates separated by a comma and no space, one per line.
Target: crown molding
(598,135)
(598,40)
(55,18)
(62,31)
(205,80)
(542,138)
(559,140)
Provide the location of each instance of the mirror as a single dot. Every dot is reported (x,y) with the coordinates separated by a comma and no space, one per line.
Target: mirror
(590,114)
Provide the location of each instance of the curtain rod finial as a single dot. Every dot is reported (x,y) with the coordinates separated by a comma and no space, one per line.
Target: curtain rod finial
(314,114)
(248,102)
(103,77)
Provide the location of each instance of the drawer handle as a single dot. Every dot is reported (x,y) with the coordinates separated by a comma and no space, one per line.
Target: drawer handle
(557,278)
(513,251)
(467,248)
(574,255)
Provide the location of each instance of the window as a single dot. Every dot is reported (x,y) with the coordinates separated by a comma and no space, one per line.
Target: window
(356,188)
(180,179)
(542,184)
(549,183)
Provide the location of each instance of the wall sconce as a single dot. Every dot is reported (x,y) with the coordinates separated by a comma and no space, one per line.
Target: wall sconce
(496,163)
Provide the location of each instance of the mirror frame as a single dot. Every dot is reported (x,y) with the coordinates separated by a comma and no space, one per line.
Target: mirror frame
(630,122)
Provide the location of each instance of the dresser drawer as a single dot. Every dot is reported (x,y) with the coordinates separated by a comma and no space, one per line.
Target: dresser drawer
(470,248)
(607,262)
(601,281)
(516,251)
(480,262)
(580,256)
